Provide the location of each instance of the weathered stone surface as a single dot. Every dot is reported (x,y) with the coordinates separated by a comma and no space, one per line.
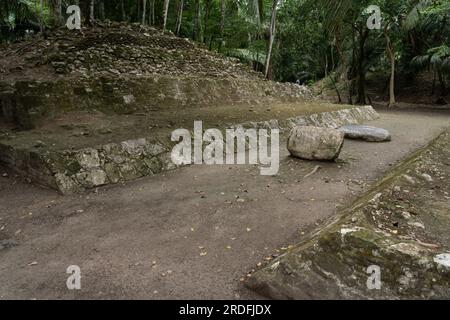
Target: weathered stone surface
(366,133)
(314,143)
(443,260)
(129,99)
(88,158)
(110,163)
(12,109)
(331,119)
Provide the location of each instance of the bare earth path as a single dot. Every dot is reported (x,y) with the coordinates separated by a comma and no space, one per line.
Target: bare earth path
(191,233)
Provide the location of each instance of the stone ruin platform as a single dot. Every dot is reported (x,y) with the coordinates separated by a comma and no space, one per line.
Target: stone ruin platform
(117,68)
(82,110)
(85,149)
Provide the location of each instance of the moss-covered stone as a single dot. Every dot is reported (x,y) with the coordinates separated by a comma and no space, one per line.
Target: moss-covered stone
(414,259)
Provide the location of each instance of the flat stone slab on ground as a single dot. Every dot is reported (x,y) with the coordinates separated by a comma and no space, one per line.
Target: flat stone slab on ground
(366,133)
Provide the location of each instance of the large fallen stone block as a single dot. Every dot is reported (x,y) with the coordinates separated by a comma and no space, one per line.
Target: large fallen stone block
(314,143)
(366,133)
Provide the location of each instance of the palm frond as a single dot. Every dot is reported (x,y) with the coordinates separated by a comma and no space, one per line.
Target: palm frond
(420,62)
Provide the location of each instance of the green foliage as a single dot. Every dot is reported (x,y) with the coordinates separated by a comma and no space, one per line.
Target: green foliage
(437,58)
(13,12)
(314,38)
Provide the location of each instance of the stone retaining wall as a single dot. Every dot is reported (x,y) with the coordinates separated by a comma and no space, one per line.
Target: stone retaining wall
(331,119)
(33,100)
(76,170)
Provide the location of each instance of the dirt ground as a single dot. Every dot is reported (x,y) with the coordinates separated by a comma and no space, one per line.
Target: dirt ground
(193,233)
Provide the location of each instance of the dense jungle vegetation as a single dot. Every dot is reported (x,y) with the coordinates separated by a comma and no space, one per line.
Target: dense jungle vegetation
(303,41)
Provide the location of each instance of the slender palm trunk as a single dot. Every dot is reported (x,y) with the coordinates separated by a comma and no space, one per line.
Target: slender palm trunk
(391,54)
(361,72)
(166,11)
(197,26)
(144,11)
(342,74)
(101,10)
(41,22)
(152,12)
(138,10)
(91,11)
(442,83)
(272,36)
(207,11)
(179,17)
(222,23)
(122,8)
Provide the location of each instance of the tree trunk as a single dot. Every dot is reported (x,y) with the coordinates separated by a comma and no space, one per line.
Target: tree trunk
(85,11)
(361,71)
(391,54)
(352,73)
(122,8)
(152,12)
(211,40)
(197,26)
(41,22)
(392,82)
(344,64)
(207,11)
(144,11)
(222,23)
(57,12)
(179,17)
(272,35)
(433,86)
(442,83)
(165,12)
(333,81)
(101,10)
(91,11)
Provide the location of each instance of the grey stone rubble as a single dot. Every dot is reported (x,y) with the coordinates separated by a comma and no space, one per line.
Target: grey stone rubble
(366,133)
(108,164)
(72,171)
(315,143)
(331,119)
(111,49)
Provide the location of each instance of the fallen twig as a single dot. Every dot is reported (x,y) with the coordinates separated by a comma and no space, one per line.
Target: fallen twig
(316,168)
(428,245)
